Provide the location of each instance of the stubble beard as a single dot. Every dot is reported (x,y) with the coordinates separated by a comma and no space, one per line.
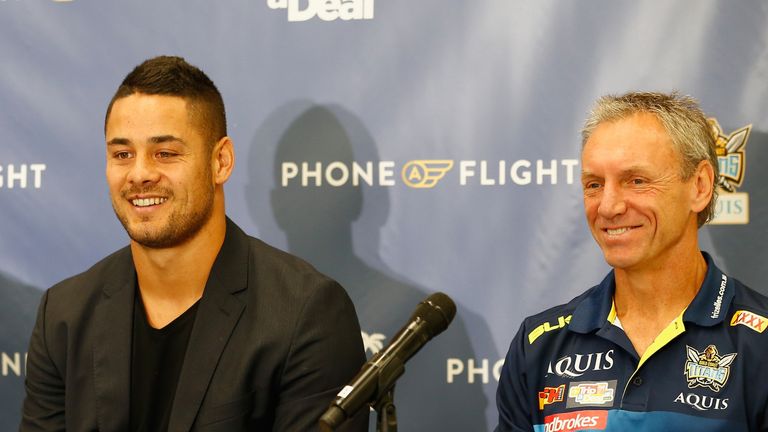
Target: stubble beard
(178,228)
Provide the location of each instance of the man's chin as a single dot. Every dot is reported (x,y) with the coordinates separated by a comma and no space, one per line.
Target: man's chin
(621,261)
(168,236)
(151,237)
(154,242)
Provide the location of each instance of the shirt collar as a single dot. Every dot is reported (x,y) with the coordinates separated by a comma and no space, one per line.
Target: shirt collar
(708,308)
(593,310)
(711,304)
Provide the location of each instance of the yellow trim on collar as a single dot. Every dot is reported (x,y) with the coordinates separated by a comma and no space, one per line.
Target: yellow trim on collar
(673,330)
(612,313)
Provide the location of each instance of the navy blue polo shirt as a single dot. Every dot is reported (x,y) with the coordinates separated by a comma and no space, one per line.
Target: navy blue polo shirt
(572,368)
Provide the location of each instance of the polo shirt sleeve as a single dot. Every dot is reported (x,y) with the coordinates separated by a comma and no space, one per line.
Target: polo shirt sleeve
(512,396)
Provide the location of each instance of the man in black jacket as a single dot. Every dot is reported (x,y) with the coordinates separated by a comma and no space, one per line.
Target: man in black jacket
(195,325)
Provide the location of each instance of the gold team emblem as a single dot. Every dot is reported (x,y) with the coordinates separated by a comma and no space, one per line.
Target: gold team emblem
(424,174)
(730,155)
(732,206)
(708,368)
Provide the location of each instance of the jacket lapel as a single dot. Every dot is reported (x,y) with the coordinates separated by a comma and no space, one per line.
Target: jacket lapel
(217,314)
(113,319)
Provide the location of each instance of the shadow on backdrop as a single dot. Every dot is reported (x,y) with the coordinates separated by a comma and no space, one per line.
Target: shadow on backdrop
(319,225)
(18,308)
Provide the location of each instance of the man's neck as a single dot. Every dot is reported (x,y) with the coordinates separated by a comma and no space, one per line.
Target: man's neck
(173,279)
(649,299)
(662,290)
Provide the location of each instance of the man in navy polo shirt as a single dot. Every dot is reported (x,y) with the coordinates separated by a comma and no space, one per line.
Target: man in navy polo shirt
(667,341)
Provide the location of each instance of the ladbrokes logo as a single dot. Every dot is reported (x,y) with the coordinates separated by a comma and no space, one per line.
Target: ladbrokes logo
(576,421)
(326,10)
(732,206)
(428,173)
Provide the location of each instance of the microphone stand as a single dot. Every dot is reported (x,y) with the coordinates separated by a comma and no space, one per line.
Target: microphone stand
(386,413)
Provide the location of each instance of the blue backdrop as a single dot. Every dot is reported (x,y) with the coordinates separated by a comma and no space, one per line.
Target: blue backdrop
(402,147)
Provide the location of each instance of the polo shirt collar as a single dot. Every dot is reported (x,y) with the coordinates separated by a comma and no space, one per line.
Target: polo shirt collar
(711,304)
(591,313)
(707,309)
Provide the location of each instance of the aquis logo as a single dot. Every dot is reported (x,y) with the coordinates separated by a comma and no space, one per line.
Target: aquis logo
(732,206)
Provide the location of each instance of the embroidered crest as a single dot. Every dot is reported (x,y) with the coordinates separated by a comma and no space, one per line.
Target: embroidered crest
(708,368)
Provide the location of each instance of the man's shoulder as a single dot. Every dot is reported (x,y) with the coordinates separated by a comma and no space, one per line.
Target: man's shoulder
(281,267)
(550,322)
(264,254)
(747,296)
(749,307)
(564,310)
(107,269)
(279,280)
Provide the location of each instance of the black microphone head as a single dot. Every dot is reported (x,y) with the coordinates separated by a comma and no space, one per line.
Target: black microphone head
(437,311)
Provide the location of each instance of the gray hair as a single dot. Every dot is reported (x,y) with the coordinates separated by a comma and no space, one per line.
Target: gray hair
(683,120)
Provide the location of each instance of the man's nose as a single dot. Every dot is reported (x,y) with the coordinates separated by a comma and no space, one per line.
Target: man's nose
(144,170)
(613,201)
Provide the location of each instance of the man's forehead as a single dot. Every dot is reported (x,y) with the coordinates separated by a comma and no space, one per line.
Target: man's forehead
(158,115)
(140,100)
(631,144)
(647,124)
(638,130)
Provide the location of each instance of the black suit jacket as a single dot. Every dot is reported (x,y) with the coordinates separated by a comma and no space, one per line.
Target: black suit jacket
(272,343)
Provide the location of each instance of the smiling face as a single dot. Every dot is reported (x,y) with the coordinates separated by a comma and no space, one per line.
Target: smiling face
(159,170)
(638,208)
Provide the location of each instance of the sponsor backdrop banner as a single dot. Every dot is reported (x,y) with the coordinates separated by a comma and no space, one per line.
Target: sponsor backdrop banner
(401,147)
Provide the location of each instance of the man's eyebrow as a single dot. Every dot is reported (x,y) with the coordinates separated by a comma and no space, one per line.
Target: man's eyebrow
(166,138)
(119,141)
(632,170)
(153,140)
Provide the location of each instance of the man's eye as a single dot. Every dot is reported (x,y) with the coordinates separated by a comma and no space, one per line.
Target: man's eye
(638,181)
(122,155)
(165,154)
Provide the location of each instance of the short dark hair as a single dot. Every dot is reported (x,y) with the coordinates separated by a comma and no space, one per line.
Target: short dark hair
(173,76)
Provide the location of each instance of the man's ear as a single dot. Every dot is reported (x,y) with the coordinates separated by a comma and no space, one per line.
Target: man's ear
(222,160)
(702,186)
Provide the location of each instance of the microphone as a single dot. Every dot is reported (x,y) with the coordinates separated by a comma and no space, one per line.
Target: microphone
(379,374)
